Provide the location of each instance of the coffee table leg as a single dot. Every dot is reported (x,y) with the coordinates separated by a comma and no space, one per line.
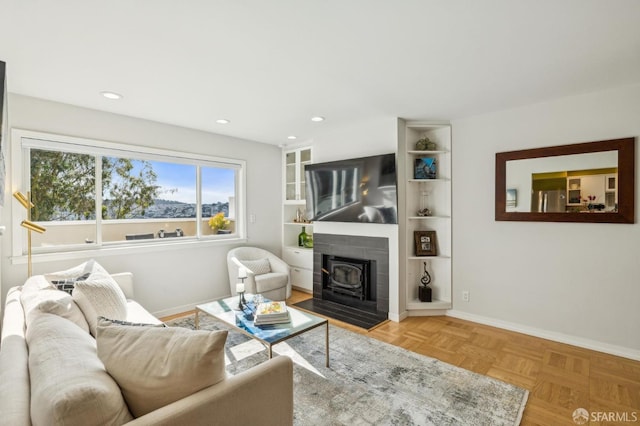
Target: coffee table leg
(326,343)
(270,352)
(197,321)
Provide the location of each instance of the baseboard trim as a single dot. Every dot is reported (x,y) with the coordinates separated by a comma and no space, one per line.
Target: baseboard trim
(549,335)
(180,309)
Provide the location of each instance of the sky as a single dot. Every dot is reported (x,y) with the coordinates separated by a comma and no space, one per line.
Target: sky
(218,184)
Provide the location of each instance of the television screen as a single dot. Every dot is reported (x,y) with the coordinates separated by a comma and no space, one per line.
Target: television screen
(355,190)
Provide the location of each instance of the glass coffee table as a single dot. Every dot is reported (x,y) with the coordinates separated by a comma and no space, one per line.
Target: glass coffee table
(225,310)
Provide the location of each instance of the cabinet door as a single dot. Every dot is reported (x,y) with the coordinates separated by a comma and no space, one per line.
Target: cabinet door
(299,257)
(290,181)
(302,278)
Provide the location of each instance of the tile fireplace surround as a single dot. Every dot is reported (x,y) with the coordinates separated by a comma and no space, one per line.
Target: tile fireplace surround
(375,249)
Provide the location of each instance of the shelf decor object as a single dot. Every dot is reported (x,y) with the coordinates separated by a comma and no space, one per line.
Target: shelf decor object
(424,291)
(425,242)
(303,238)
(425,168)
(25,201)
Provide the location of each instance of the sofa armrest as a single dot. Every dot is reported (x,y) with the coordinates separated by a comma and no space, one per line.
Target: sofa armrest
(14,363)
(125,281)
(262,395)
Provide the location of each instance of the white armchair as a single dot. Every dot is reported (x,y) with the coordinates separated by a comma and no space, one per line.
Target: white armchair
(267,274)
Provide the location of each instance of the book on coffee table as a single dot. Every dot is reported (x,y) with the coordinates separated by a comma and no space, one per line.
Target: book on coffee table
(271,313)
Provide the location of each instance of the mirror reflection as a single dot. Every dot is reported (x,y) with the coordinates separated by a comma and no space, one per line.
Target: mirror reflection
(581,182)
(577,183)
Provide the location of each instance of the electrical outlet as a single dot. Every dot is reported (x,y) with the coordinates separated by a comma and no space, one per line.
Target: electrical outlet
(465,295)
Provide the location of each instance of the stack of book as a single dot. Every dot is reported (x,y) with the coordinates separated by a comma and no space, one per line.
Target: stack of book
(271,313)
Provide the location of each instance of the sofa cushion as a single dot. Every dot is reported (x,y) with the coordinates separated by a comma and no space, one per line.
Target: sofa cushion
(137,313)
(100,295)
(258,267)
(64,306)
(157,366)
(39,296)
(69,384)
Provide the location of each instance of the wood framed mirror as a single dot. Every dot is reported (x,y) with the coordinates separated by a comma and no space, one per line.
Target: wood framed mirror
(583,182)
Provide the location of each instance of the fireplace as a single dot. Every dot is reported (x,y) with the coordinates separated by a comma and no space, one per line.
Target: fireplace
(351,278)
(349,281)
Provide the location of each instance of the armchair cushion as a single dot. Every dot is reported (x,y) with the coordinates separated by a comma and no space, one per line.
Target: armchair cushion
(271,281)
(258,267)
(155,366)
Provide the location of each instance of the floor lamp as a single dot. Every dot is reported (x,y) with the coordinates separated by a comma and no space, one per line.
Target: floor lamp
(30,226)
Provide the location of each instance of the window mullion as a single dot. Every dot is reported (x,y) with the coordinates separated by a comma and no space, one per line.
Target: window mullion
(198,201)
(98,189)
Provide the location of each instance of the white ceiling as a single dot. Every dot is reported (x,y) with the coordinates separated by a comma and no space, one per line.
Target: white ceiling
(268,66)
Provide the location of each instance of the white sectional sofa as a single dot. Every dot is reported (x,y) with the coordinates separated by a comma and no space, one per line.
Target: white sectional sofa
(52,369)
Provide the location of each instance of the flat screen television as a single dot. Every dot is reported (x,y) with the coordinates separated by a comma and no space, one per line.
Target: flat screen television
(354,190)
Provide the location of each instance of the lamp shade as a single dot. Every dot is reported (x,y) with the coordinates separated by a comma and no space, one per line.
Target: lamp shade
(22,199)
(33,226)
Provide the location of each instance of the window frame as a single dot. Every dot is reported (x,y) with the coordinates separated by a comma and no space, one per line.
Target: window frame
(22,141)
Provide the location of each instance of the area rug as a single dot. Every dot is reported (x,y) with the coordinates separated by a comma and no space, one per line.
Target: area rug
(370,382)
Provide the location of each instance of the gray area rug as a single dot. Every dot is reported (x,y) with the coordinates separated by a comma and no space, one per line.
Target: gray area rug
(373,383)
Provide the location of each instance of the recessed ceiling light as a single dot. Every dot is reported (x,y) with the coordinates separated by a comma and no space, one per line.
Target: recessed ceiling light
(317,118)
(223,121)
(292,137)
(111,95)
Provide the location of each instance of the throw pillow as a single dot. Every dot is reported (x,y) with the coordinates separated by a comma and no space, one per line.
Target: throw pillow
(100,295)
(69,383)
(106,321)
(156,366)
(52,301)
(65,280)
(258,267)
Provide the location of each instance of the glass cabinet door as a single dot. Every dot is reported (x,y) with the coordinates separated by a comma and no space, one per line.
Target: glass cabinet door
(294,173)
(290,175)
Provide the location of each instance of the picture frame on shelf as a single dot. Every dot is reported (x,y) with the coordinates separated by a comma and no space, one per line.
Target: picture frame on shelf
(425,243)
(425,168)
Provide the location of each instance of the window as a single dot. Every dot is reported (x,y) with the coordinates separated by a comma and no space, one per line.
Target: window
(141,195)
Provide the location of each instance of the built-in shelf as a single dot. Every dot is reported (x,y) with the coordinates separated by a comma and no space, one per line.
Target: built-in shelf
(427,152)
(428,217)
(430,180)
(300,259)
(416,304)
(415,195)
(299,248)
(439,257)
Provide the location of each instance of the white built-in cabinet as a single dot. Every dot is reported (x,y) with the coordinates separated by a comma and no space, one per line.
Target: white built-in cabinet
(300,259)
(415,194)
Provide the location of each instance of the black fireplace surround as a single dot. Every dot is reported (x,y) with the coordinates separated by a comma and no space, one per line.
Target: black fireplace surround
(351,278)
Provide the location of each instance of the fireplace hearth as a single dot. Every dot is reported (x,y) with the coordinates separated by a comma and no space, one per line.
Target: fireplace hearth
(350,278)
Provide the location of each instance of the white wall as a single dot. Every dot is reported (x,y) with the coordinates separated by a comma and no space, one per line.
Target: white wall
(171,280)
(571,281)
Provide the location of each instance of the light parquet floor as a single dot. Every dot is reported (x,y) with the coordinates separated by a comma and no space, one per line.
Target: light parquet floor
(560,378)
